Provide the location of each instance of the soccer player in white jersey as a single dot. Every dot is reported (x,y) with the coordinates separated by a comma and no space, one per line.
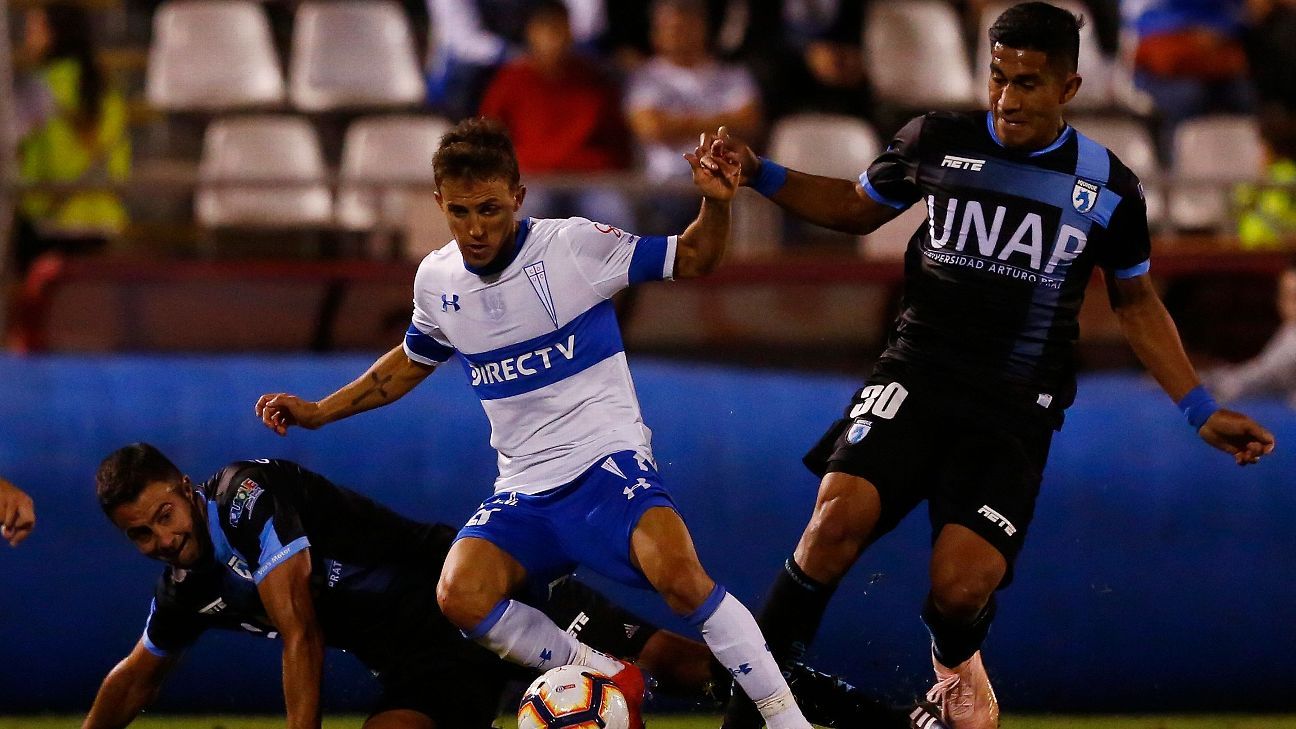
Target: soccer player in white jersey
(526,306)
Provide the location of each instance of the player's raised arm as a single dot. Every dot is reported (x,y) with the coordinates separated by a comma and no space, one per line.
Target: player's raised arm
(1155,340)
(842,205)
(17,514)
(285,592)
(388,380)
(701,246)
(128,689)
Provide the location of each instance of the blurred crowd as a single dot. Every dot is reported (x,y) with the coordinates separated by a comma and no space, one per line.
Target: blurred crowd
(591,86)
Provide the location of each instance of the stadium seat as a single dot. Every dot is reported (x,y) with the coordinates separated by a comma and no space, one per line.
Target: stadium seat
(825,144)
(889,242)
(1211,154)
(212,55)
(278,160)
(394,150)
(916,54)
(1130,140)
(353,54)
(1095,68)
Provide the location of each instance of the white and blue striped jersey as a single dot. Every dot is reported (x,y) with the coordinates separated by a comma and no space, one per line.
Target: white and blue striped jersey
(540,344)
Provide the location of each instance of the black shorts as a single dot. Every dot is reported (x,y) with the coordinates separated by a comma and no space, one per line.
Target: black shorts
(977,462)
(437,672)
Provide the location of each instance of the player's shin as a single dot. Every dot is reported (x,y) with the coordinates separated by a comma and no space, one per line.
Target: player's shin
(954,641)
(519,633)
(735,639)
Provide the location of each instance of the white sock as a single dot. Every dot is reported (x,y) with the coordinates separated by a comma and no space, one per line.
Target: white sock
(735,639)
(519,633)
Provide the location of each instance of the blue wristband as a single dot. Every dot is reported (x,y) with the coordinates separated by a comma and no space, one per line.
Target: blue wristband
(770,177)
(1198,406)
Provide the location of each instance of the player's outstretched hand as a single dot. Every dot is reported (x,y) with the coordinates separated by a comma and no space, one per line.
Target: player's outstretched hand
(716,177)
(279,411)
(724,146)
(1238,435)
(17,513)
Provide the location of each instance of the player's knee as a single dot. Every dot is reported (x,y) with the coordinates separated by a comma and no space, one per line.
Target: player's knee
(458,604)
(839,528)
(684,586)
(961,591)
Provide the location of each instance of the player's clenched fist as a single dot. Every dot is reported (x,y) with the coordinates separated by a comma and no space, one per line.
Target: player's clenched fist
(279,411)
(17,513)
(1238,435)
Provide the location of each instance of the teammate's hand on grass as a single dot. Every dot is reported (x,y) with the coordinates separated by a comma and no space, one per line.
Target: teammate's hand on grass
(1238,435)
(279,411)
(17,513)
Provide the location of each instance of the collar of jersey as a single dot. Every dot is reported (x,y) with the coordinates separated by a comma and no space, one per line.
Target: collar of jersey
(1066,134)
(502,262)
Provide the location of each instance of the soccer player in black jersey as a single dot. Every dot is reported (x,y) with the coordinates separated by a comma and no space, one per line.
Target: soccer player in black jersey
(961,407)
(269,548)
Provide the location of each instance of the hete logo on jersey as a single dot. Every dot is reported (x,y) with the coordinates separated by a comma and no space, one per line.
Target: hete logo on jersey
(523,365)
(963,163)
(1022,257)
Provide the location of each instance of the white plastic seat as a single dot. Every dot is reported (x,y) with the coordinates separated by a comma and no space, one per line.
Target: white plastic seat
(395,150)
(212,55)
(916,54)
(279,159)
(353,54)
(1130,140)
(1097,92)
(889,242)
(1211,155)
(825,144)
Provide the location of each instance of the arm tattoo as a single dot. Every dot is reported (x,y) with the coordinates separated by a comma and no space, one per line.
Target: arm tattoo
(377,387)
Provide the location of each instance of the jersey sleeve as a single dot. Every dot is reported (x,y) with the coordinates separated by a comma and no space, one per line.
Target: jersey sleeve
(261,525)
(1128,245)
(611,259)
(169,629)
(892,179)
(424,341)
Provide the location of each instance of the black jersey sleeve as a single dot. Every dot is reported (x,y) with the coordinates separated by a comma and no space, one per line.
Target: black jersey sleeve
(892,179)
(1127,245)
(170,628)
(260,523)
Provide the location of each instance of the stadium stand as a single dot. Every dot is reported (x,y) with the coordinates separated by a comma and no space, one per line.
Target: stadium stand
(353,55)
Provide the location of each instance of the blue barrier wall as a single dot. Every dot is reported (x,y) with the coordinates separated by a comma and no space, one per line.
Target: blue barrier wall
(1157,575)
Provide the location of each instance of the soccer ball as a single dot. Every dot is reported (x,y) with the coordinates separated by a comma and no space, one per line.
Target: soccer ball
(573,696)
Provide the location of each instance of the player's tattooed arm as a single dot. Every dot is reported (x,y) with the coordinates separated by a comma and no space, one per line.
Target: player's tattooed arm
(1155,340)
(128,689)
(388,380)
(17,513)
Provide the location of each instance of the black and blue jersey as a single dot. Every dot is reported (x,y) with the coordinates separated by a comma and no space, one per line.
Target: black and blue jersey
(995,278)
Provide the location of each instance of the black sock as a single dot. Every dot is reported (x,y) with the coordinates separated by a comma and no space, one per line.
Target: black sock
(954,641)
(789,621)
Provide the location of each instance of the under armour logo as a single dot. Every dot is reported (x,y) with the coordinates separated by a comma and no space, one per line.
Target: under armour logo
(741,670)
(546,655)
(449,300)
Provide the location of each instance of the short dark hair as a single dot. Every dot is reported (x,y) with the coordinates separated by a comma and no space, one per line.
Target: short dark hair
(548,9)
(127,470)
(477,149)
(1038,26)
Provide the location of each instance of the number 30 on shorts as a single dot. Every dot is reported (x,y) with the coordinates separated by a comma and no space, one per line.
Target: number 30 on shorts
(880,401)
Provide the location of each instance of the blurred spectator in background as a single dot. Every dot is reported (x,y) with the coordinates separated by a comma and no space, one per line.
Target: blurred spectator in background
(1273,371)
(681,92)
(628,40)
(471,39)
(1190,58)
(1267,209)
(807,55)
(564,115)
(80,139)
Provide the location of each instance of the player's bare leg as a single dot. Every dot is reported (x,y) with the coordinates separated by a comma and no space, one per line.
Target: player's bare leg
(399,719)
(965,571)
(845,515)
(662,549)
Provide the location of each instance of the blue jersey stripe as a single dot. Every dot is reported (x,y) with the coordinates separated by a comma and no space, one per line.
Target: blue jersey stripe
(274,552)
(425,346)
(1134,271)
(649,260)
(225,552)
(878,197)
(1037,184)
(149,645)
(527,366)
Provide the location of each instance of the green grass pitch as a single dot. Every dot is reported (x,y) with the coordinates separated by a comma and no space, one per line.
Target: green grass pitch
(699,721)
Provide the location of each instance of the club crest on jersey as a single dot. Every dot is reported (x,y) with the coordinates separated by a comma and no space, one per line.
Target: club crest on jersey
(858,430)
(1083,196)
(244,499)
(540,282)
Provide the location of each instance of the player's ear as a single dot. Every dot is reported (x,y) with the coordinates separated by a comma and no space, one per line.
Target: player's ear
(440,201)
(1070,87)
(519,194)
